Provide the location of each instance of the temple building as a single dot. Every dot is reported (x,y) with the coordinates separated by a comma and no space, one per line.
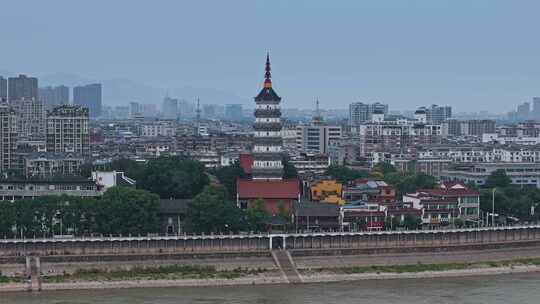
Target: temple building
(264,165)
(267,147)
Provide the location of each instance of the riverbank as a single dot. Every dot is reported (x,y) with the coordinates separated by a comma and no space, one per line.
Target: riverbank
(195,277)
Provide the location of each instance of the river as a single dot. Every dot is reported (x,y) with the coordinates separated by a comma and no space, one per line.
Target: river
(523,288)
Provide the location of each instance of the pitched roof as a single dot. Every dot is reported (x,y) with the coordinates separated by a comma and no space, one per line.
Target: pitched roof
(267,94)
(278,189)
(316,209)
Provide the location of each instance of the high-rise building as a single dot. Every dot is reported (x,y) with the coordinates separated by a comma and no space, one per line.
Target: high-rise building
(54,96)
(437,114)
(68,131)
(316,137)
(523,111)
(233,112)
(3,89)
(22,87)
(213,111)
(477,127)
(267,146)
(170,108)
(8,137)
(31,117)
(536,108)
(451,127)
(149,110)
(135,110)
(89,96)
(186,109)
(360,112)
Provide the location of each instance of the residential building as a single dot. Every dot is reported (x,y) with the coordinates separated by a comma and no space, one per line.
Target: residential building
(371,191)
(445,204)
(8,137)
(536,108)
(234,112)
(89,96)
(135,110)
(451,127)
(523,111)
(360,112)
(22,87)
(54,96)
(170,108)
(477,127)
(3,89)
(149,110)
(310,164)
(12,189)
(344,151)
(31,118)
(162,128)
(396,136)
(438,114)
(49,165)
(316,138)
(521,174)
(67,130)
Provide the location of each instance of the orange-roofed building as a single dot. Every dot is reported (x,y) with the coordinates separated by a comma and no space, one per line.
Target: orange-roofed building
(327,191)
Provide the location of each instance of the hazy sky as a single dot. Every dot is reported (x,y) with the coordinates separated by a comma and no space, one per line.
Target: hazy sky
(474,55)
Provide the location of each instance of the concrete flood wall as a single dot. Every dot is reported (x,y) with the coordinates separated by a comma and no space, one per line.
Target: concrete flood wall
(31,257)
(265,242)
(413,239)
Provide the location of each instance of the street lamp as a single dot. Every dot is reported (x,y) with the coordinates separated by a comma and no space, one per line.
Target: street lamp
(493,206)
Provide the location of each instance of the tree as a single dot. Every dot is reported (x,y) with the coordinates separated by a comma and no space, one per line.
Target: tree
(345,174)
(210,211)
(125,211)
(459,223)
(498,179)
(289,170)
(257,216)
(384,168)
(411,222)
(227,177)
(406,182)
(174,177)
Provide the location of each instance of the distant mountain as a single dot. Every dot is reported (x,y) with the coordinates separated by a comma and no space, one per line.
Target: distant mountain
(121,91)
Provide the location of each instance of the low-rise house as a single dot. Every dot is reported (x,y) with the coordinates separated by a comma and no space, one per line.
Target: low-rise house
(446,203)
(363,216)
(108,179)
(309,216)
(11,190)
(172,214)
(375,191)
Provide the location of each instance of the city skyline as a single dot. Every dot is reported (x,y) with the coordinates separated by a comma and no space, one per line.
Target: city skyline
(407,55)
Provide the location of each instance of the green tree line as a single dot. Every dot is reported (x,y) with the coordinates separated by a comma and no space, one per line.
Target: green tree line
(119,211)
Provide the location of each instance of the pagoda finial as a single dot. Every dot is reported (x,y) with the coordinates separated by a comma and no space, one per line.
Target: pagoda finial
(267,75)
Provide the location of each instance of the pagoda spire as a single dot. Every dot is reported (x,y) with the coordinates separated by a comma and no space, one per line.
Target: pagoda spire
(267,75)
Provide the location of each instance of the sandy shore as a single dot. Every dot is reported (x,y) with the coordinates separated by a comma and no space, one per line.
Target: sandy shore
(315,277)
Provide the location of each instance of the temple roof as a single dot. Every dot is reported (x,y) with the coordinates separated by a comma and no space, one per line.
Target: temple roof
(267,93)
